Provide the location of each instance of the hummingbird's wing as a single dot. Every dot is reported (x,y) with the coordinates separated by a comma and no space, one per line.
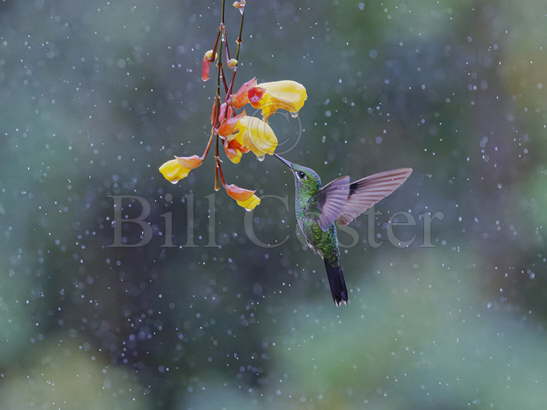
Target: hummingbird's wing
(331,200)
(367,192)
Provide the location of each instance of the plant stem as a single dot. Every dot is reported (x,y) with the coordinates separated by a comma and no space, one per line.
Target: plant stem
(228,55)
(220,75)
(215,46)
(239,40)
(209,143)
(220,172)
(222,36)
(217,185)
(222,9)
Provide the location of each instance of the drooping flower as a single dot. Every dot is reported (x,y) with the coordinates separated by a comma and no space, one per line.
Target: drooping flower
(277,95)
(176,169)
(251,133)
(208,58)
(245,198)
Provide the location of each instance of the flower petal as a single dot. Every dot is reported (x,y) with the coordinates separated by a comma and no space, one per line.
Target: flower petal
(278,95)
(241,98)
(190,162)
(250,203)
(238,193)
(245,198)
(176,169)
(228,127)
(234,150)
(256,135)
(255,94)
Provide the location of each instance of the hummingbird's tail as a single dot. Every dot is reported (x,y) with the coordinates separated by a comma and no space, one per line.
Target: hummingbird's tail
(337,283)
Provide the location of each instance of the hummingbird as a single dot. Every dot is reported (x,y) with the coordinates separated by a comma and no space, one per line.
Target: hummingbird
(318,208)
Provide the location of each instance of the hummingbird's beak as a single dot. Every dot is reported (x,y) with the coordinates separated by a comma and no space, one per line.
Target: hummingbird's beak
(284,161)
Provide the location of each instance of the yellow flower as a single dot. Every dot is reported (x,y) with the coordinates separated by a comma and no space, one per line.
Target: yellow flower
(278,95)
(251,134)
(245,198)
(176,169)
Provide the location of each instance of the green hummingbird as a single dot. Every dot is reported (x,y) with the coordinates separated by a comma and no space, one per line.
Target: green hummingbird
(317,208)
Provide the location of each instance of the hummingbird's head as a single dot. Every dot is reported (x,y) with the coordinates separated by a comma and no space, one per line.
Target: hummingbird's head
(306,179)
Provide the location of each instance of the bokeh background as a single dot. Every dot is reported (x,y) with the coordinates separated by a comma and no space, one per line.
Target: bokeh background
(95,95)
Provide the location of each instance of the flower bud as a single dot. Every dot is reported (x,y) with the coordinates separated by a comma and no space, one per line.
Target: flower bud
(208,56)
(232,63)
(214,113)
(239,4)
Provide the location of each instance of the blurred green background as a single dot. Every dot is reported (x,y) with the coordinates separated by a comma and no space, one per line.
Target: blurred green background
(95,95)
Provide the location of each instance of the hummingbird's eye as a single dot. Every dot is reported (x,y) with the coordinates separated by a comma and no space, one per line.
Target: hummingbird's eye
(301,175)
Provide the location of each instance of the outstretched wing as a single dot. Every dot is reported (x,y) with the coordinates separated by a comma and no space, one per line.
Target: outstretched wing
(367,192)
(332,199)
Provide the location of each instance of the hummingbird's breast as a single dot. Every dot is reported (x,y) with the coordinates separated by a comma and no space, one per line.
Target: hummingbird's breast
(324,243)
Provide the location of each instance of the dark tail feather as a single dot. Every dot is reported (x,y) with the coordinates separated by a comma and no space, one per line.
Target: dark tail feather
(337,283)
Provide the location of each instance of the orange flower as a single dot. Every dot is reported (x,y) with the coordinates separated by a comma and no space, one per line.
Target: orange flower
(176,169)
(245,198)
(277,95)
(251,133)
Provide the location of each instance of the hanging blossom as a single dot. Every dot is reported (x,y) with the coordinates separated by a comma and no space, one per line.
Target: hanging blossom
(176,169)
(245,198)
(237,132)
(269,97)
(244,133)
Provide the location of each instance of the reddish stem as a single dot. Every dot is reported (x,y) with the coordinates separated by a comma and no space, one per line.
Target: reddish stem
(209,143)
(220,171)
(215,46)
